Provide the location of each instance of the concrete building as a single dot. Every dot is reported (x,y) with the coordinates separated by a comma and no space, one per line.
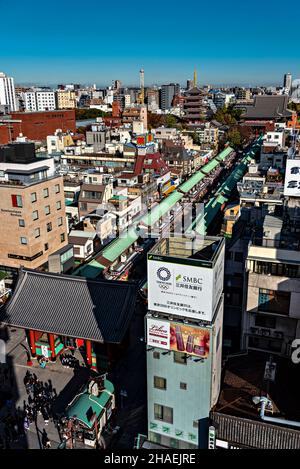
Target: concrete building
(40,101)
(184,337)
(287,83)
(271,317)
(32,216)
(167,94)
(7,92)
(92,196)
(66,99)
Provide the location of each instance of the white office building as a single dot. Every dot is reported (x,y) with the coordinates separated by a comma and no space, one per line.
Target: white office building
(40,101)
(7,92)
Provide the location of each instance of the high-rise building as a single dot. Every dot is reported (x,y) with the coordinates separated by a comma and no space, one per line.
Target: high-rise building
(184,339)
(167,94)
(189,84)
(117,84)
(32,208)
(287,83)
(7,92)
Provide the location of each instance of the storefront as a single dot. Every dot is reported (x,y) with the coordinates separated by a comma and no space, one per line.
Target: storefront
(88,414)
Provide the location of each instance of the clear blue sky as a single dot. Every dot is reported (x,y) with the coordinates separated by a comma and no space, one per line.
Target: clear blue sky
(96,41)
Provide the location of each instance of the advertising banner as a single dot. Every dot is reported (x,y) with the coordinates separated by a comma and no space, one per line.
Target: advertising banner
(158,333)
(178,337)
(292,178)
(181,289)
(189,339)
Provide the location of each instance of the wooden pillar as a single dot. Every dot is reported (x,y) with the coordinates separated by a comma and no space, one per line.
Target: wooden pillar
(32,343)
(88,345)
(52,347)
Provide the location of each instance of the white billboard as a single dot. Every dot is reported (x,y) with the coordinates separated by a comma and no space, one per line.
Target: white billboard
(185,290)
(158,333)
(292,178)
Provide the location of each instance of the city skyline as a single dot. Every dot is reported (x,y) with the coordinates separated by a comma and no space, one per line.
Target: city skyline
(238,47)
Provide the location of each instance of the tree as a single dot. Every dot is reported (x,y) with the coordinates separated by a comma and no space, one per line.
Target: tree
(195,137)
(82,114)
(171,120)
(234,137)
(154,120)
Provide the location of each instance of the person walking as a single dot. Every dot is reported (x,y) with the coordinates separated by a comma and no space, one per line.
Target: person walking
(45,440)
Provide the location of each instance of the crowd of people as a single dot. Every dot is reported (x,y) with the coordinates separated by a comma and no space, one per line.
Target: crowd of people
(40,401)
(69,361)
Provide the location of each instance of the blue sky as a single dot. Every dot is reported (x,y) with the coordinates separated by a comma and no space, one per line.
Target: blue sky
(252,42)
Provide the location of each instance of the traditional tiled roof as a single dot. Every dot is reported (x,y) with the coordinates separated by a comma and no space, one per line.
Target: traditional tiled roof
(248,433)
(71,306)
(268,107)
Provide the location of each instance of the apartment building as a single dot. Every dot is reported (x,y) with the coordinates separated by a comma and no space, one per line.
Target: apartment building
(40,100)
(271,316)
(66,99)
(32,208)
(92,197)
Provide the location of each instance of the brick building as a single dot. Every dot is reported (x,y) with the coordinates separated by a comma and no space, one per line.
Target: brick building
(36,125)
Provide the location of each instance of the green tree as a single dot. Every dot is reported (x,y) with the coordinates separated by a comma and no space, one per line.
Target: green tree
(234,137)
(82,114)
(171,121)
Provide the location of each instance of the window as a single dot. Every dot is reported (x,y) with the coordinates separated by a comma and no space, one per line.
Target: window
(265,344)
(35,215)
(33,197)
(59,221)
(57,188)
(174,443)
(49,227)
(274,268)
(62,237)
(156,355)
(21,222)
(58,205)
(37,233)
(160,383)
(47,210)
(179,358)
(46,246)
(66,256)
(155,437)
(163,413)
(17,201)
(183,386)
(196,423)
(271,301)
(23,240)
(46,192)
